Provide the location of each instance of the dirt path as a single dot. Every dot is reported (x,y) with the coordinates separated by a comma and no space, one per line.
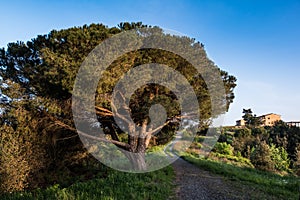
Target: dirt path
(196,184)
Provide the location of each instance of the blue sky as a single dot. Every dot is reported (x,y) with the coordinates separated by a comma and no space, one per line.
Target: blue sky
(258,41)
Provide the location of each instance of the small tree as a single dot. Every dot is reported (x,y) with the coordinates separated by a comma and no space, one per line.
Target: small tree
(251,119)
(23,154)
(243,141)
(223,148)
(280,158)
(297,162)
(261,157)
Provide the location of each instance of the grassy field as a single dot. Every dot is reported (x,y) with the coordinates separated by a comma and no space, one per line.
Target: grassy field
(281,187)
(118,185)
(159,184)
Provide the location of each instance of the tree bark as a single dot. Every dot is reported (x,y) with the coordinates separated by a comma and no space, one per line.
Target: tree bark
(138,161)
(137,153)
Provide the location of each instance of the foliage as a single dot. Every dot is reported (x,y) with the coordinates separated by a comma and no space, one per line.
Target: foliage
(261,157)
(243,145)
(280,158)
(287,137)
(23,155)
(250,119)
(117,185)
(242,132)
(231,159)
(45,68)
(297,162)
(271,148)
(223,148)
(277,144)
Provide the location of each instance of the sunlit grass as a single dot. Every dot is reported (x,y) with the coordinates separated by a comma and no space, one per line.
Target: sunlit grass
(117,185)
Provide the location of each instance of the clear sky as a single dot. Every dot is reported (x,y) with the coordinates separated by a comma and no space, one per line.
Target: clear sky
(258,41)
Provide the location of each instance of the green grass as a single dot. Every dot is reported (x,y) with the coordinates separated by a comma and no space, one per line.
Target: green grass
(282,187)
(238,161)
(118,185)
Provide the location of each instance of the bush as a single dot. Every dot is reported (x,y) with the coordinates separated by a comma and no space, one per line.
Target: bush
(223,148)
(296,164)
(22,156)
(280,158)
(258,131)
(244,144)
(244,132)
(230,159)
(261,157)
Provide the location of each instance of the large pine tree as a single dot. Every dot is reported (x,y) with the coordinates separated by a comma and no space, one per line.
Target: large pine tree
(45,69)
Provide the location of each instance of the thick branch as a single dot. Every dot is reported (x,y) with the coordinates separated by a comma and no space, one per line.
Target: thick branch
(120,144)
(119,115)
(113,133)
(160,127)
(103,110)
(143,131)
(103,113)
(66,126)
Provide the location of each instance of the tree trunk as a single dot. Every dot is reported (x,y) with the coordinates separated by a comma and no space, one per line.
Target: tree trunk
(138,161)
(137,154)
(138,142)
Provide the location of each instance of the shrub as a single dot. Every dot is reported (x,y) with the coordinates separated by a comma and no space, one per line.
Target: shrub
(223,148)
(22,155)
(280,158)
(261,157)
(230,159)
(258,131)
(297,162)
(244,145)
(244,132)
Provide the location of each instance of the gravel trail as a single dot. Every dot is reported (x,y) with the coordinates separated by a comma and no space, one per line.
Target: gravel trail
(196,184)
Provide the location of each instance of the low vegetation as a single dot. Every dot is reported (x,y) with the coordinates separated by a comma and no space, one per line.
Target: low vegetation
(116,185)
(277,186)
(267,157)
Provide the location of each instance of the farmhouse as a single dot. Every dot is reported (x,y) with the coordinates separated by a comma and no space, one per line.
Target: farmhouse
(267,119)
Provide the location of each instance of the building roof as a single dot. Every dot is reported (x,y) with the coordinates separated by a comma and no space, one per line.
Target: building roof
(270,114)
